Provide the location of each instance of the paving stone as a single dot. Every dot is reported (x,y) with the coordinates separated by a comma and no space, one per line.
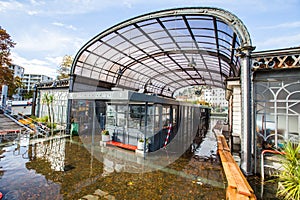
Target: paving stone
(109,197)
(100,193)
(90,197)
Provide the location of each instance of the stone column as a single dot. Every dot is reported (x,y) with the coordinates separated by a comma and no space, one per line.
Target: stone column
(246,115)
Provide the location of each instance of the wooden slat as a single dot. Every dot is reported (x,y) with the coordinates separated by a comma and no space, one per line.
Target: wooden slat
(241,186)
(238,186)
(224,143)
(229,175)
(244,178)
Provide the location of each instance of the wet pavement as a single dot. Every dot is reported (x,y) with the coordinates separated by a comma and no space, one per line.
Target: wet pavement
(7,124)
(65,168)
(208,147)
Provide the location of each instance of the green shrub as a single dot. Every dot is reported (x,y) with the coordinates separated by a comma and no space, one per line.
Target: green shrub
(289,178)
(54,125)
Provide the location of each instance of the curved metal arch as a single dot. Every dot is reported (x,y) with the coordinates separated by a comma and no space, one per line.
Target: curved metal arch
(237,25)
(238,28)
(223,57)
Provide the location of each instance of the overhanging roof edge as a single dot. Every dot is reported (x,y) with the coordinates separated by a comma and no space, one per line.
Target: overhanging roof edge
(231,19)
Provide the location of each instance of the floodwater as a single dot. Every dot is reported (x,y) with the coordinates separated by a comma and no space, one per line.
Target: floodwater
(64,168)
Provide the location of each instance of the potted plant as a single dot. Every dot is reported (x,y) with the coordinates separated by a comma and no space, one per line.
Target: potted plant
(289,177)
(140,145)
(105,136)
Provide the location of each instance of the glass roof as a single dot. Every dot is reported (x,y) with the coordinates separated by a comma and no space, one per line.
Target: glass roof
(161,53)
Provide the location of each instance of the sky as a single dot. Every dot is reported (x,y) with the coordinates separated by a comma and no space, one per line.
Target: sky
(47,30)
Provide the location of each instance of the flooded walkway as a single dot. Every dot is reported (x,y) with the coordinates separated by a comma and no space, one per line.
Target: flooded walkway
(68,168)
(64,168)
(7,124)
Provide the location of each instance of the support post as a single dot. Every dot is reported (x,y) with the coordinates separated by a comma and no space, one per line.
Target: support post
(69,106)
(246,94)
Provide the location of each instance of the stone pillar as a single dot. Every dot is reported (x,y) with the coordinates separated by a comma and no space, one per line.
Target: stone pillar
(246,110)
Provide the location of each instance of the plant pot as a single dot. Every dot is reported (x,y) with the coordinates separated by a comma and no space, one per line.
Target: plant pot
(140,145)
(105,138)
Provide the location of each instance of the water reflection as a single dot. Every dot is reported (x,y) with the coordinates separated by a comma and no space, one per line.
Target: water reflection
(61,168)
(53,151)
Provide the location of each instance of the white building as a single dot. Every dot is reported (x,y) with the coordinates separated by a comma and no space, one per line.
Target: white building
(216,97)
(17,70)
(29,80)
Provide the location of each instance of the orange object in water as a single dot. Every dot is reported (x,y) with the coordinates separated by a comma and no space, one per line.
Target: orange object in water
(122,145)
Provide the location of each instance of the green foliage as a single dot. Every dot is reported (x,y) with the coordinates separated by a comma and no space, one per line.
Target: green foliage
(141,140)
(53,125)
(17,83)
(147,140)
(6,75)
(65,67)
(28,95)
(289,177)
(48,100)
(105,132)
(6,43)
(43,119)
(33,117)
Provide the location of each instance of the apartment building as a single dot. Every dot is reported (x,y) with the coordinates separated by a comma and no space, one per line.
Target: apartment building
(17,70)
(29,80)
(216,97)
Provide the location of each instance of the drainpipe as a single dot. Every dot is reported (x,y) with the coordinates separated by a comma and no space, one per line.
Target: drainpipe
(246,123)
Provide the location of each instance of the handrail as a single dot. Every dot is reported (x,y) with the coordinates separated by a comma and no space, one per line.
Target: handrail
(262,170)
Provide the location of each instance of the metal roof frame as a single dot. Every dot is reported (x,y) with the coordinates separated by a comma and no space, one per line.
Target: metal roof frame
(164,51)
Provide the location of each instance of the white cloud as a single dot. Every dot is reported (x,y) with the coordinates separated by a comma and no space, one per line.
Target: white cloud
(58,7)
(7,6)
(35,66)
(280,42)
(295,24)
(59,24)
(48,41)
(32,12)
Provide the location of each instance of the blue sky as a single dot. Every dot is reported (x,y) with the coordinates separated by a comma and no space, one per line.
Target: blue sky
(46,30)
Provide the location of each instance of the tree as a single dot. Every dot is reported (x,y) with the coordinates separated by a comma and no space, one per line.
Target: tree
(65,67)
(48,100)
(6,77)
(6,43)
(17,83)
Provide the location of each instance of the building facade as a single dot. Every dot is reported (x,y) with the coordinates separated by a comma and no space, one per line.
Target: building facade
(29,80)
(18,71)
(216,97)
